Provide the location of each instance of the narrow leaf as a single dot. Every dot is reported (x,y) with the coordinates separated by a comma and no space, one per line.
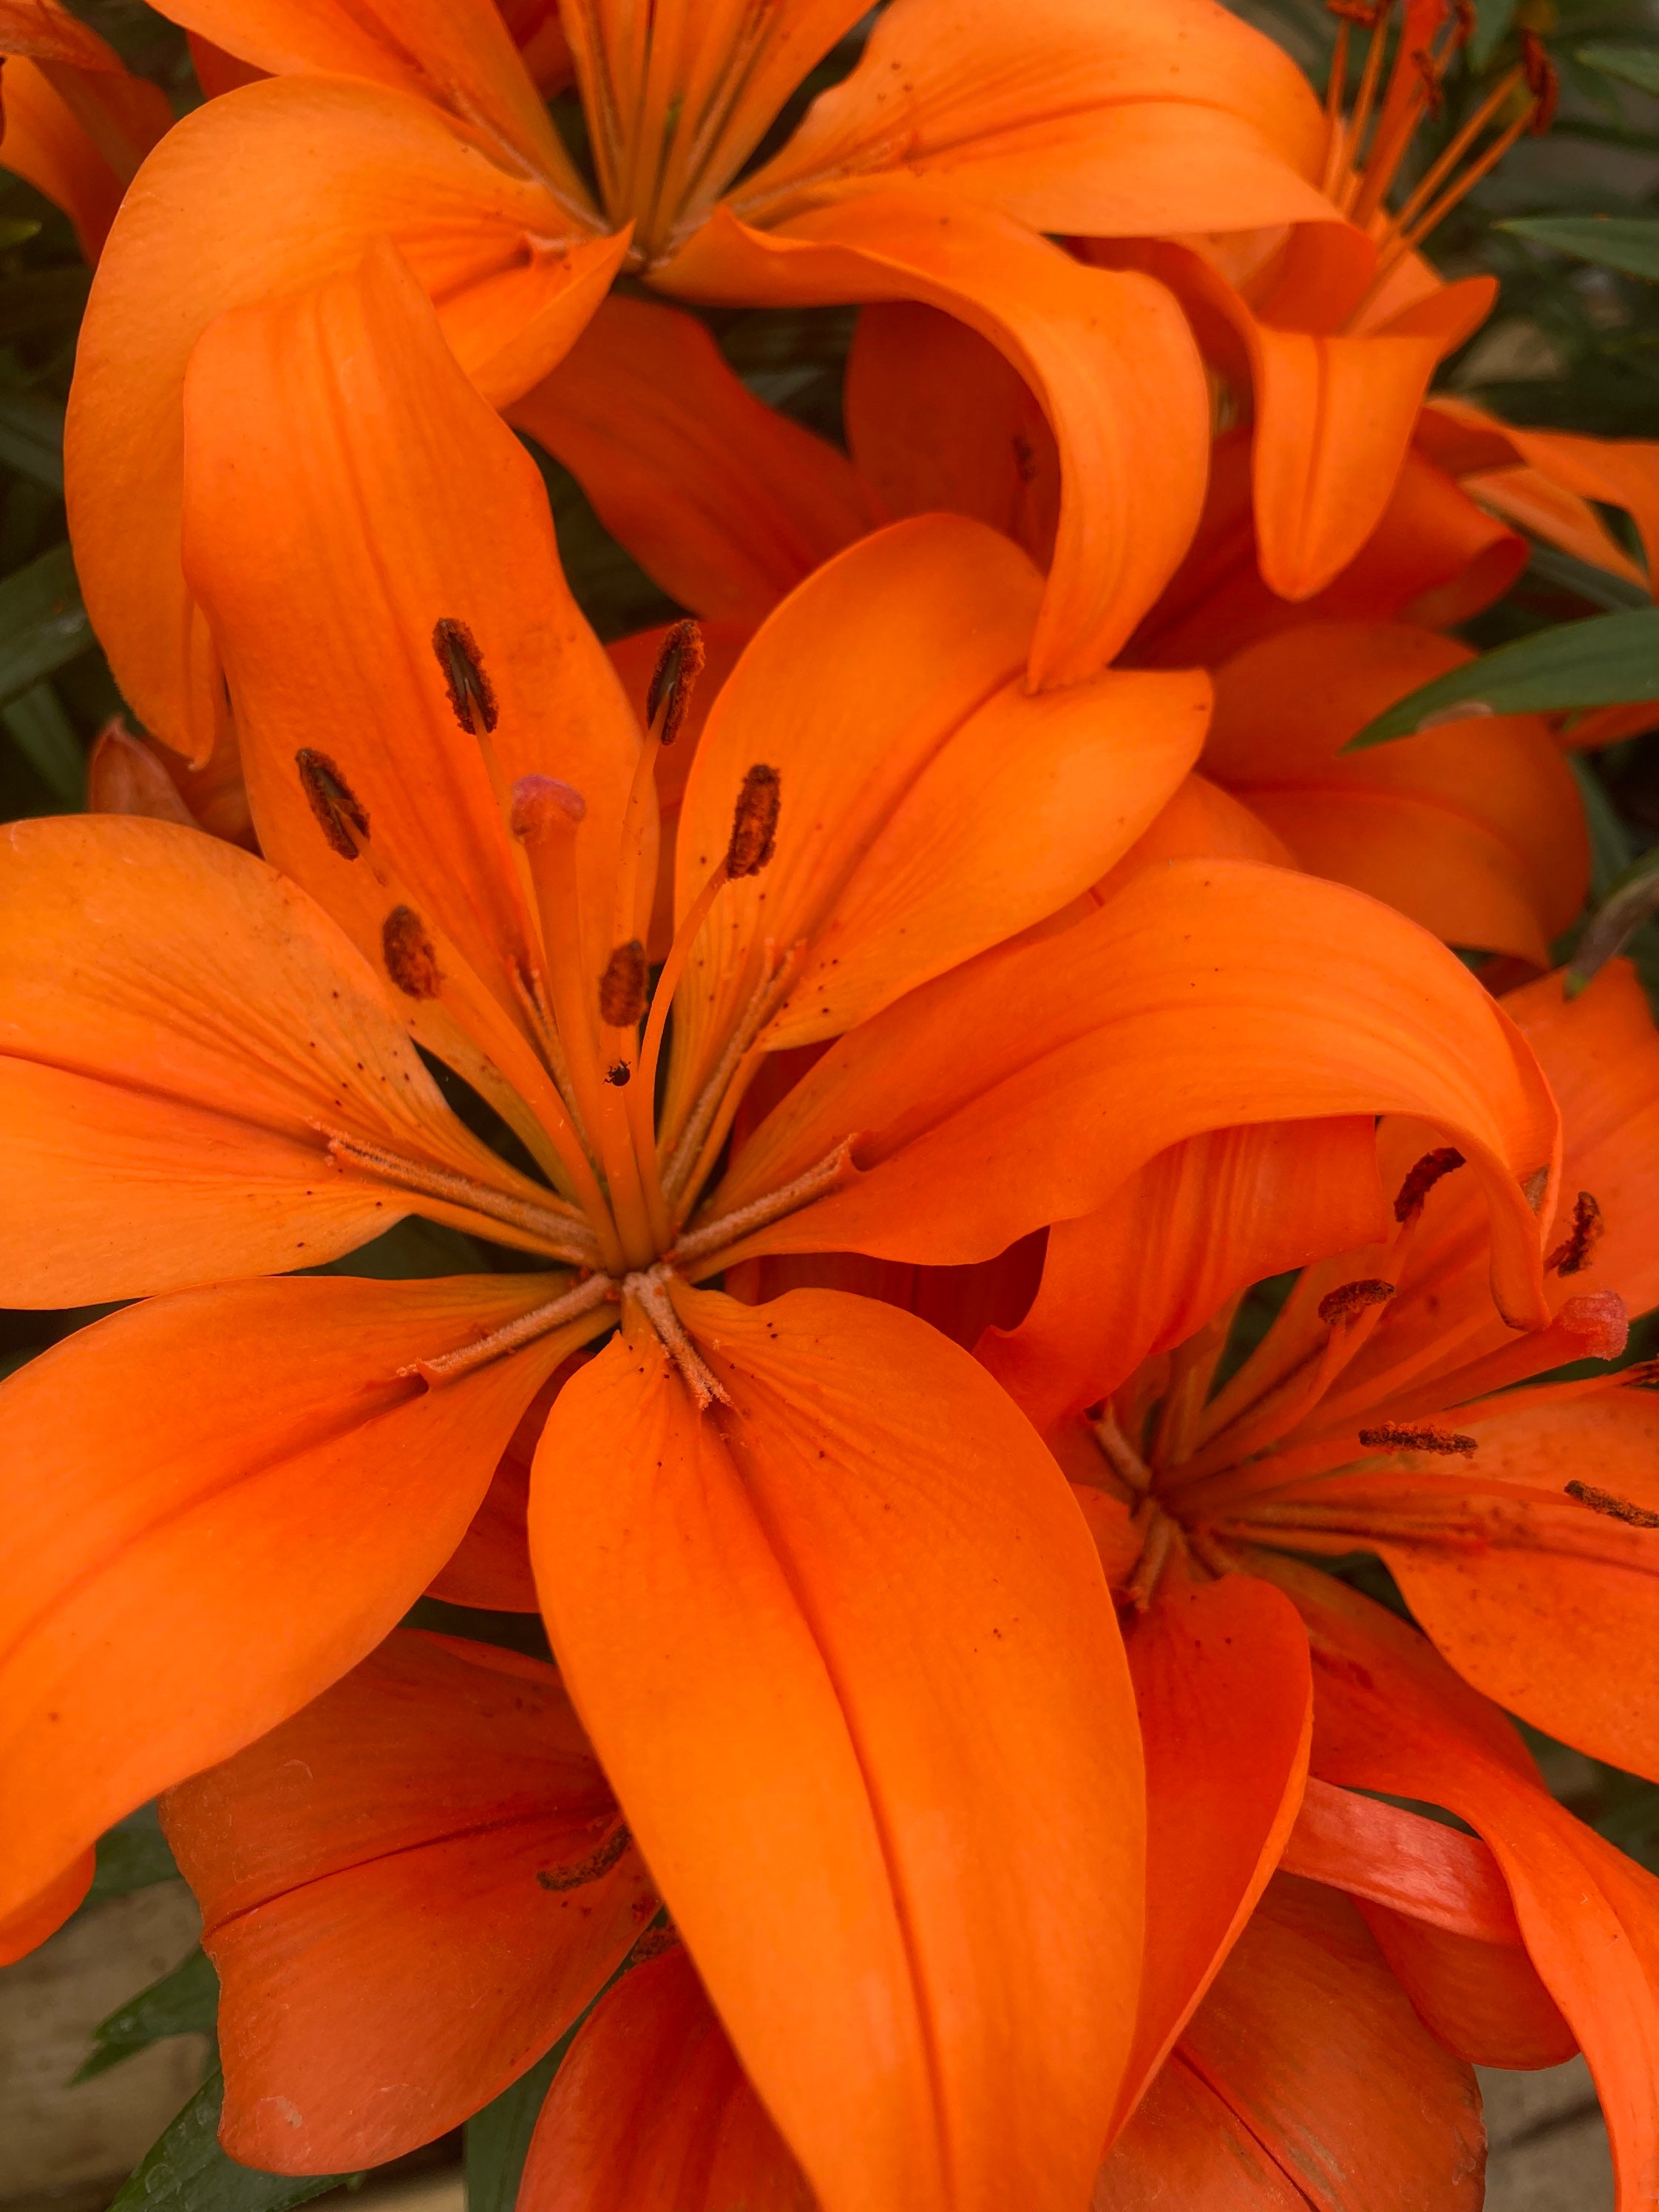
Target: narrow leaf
(1637,65)
(498,2137)
(134,1856)
(1565,572)
(1625,242)
(32,436)
(187,2172)
(184,2002)
(43,623)
(1603,661)
(45,736)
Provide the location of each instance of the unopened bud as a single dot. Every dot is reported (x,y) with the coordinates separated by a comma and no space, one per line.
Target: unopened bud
(678,666)
(754,823)
(621,986)
(471,692)
(332,801)
(542,803)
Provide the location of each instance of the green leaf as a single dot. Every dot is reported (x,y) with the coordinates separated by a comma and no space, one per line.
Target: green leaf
(498,2138)
(414,1248)
(42,622)
(134,1856)
(1637,65)
(43,734)
(184,2002)
(1610,841)
(1603,661)
(1625,242)
(31,435)
(1550,565)
(187,2172)
(1493,20)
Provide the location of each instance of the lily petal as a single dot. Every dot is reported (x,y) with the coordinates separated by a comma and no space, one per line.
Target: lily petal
(1390,1715)
(1201,1221)
(274,188)
(726,503)
(1091,116)
(876,1741)
(409,1891)
(1220,1796)
(652,2112)
(1474,830)
(217,1504)
(930,806)
(182,1034)
(28,1926)
(1109,356)
(47,139)
(1225,991)
(303,417)
(455,55)
(1185,2147)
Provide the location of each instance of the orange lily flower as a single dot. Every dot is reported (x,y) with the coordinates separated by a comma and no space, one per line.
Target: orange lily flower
(1377,1413)
(933,173)
(77,122)
(875,1622)
(1476,831)
(362,1873)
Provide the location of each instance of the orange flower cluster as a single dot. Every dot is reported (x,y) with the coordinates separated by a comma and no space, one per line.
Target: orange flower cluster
(882,1030)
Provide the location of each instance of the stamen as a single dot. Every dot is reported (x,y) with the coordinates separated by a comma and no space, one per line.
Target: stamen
(557,1229)
(471,692)
(717,1101)
(411,959)
(590,1868)
(678,666)
(1543,81)
(835,1169)
(621,986)
(333,801)
(545,815)
(541,1320)
(1572,1255)
(1350,1300)
(1423,1178)
(1390,1436)
(649,1291)
(755,822)
(1119,1453)
(1142,1584)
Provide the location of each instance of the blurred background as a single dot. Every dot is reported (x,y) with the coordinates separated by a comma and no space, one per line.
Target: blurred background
(106,2032)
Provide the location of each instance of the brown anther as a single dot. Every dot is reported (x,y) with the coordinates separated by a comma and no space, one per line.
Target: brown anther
(1351,1299)
(1423,1178)
(1025,460)
(1542,82)
(590,1868)
(411,958)
(1572,1254)
(1642,1377)
(1533,1187)
(470,691)
(1463,27)
(678,666)
(619,1075)
(542,803)
(623,986)
(1604,1501)
(1390,1436)
(333,801)
(1428,70)
(1368,14)
(754,822)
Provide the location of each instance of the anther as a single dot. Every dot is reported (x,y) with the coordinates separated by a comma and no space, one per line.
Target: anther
(540,803)
(1391,1435)
(1423,1178)
(678,666)
(410,958)
(1428,70)
(1368,14)
(1353,1298)
(472,693)
(754,822)
(1543,81)
(623,986)
(1608,1502)
(331,799)
(1572,1255)
(590,1868)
